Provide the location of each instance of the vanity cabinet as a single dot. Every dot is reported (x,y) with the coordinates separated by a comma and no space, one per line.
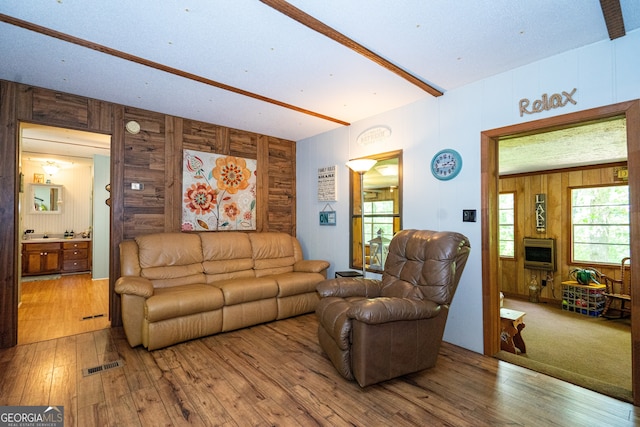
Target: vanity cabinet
(56,257)
(41,258)
(76,256)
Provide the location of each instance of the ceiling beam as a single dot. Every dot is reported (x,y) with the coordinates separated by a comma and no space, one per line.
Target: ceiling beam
(613,18)
(180,73)
(316,25)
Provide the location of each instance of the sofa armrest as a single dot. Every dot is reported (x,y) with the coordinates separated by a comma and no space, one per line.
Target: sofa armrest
(383,310)
(344,287)
(310,266)
(134,285)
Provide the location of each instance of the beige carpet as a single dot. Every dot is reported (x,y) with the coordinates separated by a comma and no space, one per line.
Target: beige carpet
(591,352)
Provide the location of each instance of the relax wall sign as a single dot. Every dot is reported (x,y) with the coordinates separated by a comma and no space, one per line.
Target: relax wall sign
(547,102)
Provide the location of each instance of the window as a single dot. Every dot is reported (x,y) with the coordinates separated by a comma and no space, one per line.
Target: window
(382,210)
(506,225)
(378,219)
(600,232)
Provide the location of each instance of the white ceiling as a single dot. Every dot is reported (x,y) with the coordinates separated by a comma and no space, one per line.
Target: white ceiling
(253,48)
(588,144)
(66,147)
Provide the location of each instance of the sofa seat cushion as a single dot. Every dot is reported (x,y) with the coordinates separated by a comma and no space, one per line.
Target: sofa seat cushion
(296,283)
(167,303)
(238,291)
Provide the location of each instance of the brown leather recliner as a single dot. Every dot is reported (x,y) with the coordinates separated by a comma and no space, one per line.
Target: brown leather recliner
(374,330)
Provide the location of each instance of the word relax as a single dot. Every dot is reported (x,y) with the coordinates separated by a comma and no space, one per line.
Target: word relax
(547,102)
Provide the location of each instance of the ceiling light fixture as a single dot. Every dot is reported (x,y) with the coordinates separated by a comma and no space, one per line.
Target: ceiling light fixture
(387,170)
(50,168)
(132,127)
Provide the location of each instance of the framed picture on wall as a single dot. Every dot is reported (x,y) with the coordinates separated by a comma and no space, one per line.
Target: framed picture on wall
(38,178)
(328,218)
(327,186)
(218,192)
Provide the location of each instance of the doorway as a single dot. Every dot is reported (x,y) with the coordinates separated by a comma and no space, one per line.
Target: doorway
(76,272)
(489,174)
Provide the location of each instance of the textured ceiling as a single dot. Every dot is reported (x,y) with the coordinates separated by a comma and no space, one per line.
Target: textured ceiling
(589,144)
(201,59)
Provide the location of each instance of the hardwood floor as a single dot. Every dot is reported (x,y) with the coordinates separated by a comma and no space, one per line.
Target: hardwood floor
(62,307)
(276,374)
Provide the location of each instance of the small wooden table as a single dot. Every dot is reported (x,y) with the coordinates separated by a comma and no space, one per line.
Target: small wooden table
(511,323)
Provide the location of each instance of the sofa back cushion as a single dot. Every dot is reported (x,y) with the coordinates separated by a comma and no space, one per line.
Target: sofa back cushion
(273,253)
(170,259)
(226,255)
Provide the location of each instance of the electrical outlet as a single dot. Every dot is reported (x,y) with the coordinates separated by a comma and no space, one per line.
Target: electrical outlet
(468,215)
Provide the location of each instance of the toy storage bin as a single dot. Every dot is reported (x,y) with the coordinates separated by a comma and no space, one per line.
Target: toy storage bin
(583,299)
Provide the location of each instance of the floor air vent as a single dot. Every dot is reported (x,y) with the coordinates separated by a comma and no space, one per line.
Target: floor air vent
(94,316)
(97,369)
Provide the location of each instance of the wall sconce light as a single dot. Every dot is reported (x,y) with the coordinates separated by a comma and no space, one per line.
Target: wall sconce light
(50,168)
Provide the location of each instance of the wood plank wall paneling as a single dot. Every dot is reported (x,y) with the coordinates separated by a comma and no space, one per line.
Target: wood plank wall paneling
(281,190)
(153,158)
(204,137)
(172,160)
(242,144)
(8,212)
(69,108)
(514,279)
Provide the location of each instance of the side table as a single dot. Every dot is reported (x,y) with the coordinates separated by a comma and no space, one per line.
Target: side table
(348,274)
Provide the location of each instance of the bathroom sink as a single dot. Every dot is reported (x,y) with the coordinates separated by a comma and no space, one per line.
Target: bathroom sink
(52,239)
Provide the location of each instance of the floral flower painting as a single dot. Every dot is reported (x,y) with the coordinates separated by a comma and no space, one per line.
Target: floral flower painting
(218,192)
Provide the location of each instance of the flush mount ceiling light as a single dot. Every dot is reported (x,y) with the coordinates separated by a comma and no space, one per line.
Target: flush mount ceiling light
(132,127)
(50,168)
(387,170)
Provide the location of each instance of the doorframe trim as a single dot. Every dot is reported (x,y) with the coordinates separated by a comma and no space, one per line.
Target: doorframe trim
(489,217)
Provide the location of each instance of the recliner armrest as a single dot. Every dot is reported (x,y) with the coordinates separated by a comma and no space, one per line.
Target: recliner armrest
(134,285)
(310,266)
(349,287)
(382,310)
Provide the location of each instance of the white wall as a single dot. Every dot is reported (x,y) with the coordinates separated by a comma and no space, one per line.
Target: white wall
(76,196)
(101,211)
(603,73)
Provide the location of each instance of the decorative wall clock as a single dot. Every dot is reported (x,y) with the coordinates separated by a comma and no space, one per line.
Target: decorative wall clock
(446,164)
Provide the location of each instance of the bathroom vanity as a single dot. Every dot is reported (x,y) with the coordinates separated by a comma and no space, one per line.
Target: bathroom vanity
(51,256)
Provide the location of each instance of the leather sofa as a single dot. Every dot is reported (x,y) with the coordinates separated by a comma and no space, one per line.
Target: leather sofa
(179,286)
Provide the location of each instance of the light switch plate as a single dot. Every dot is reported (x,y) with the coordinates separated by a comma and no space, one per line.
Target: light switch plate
(468,215)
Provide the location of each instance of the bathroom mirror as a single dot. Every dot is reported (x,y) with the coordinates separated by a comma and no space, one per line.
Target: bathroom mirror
(46,199)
